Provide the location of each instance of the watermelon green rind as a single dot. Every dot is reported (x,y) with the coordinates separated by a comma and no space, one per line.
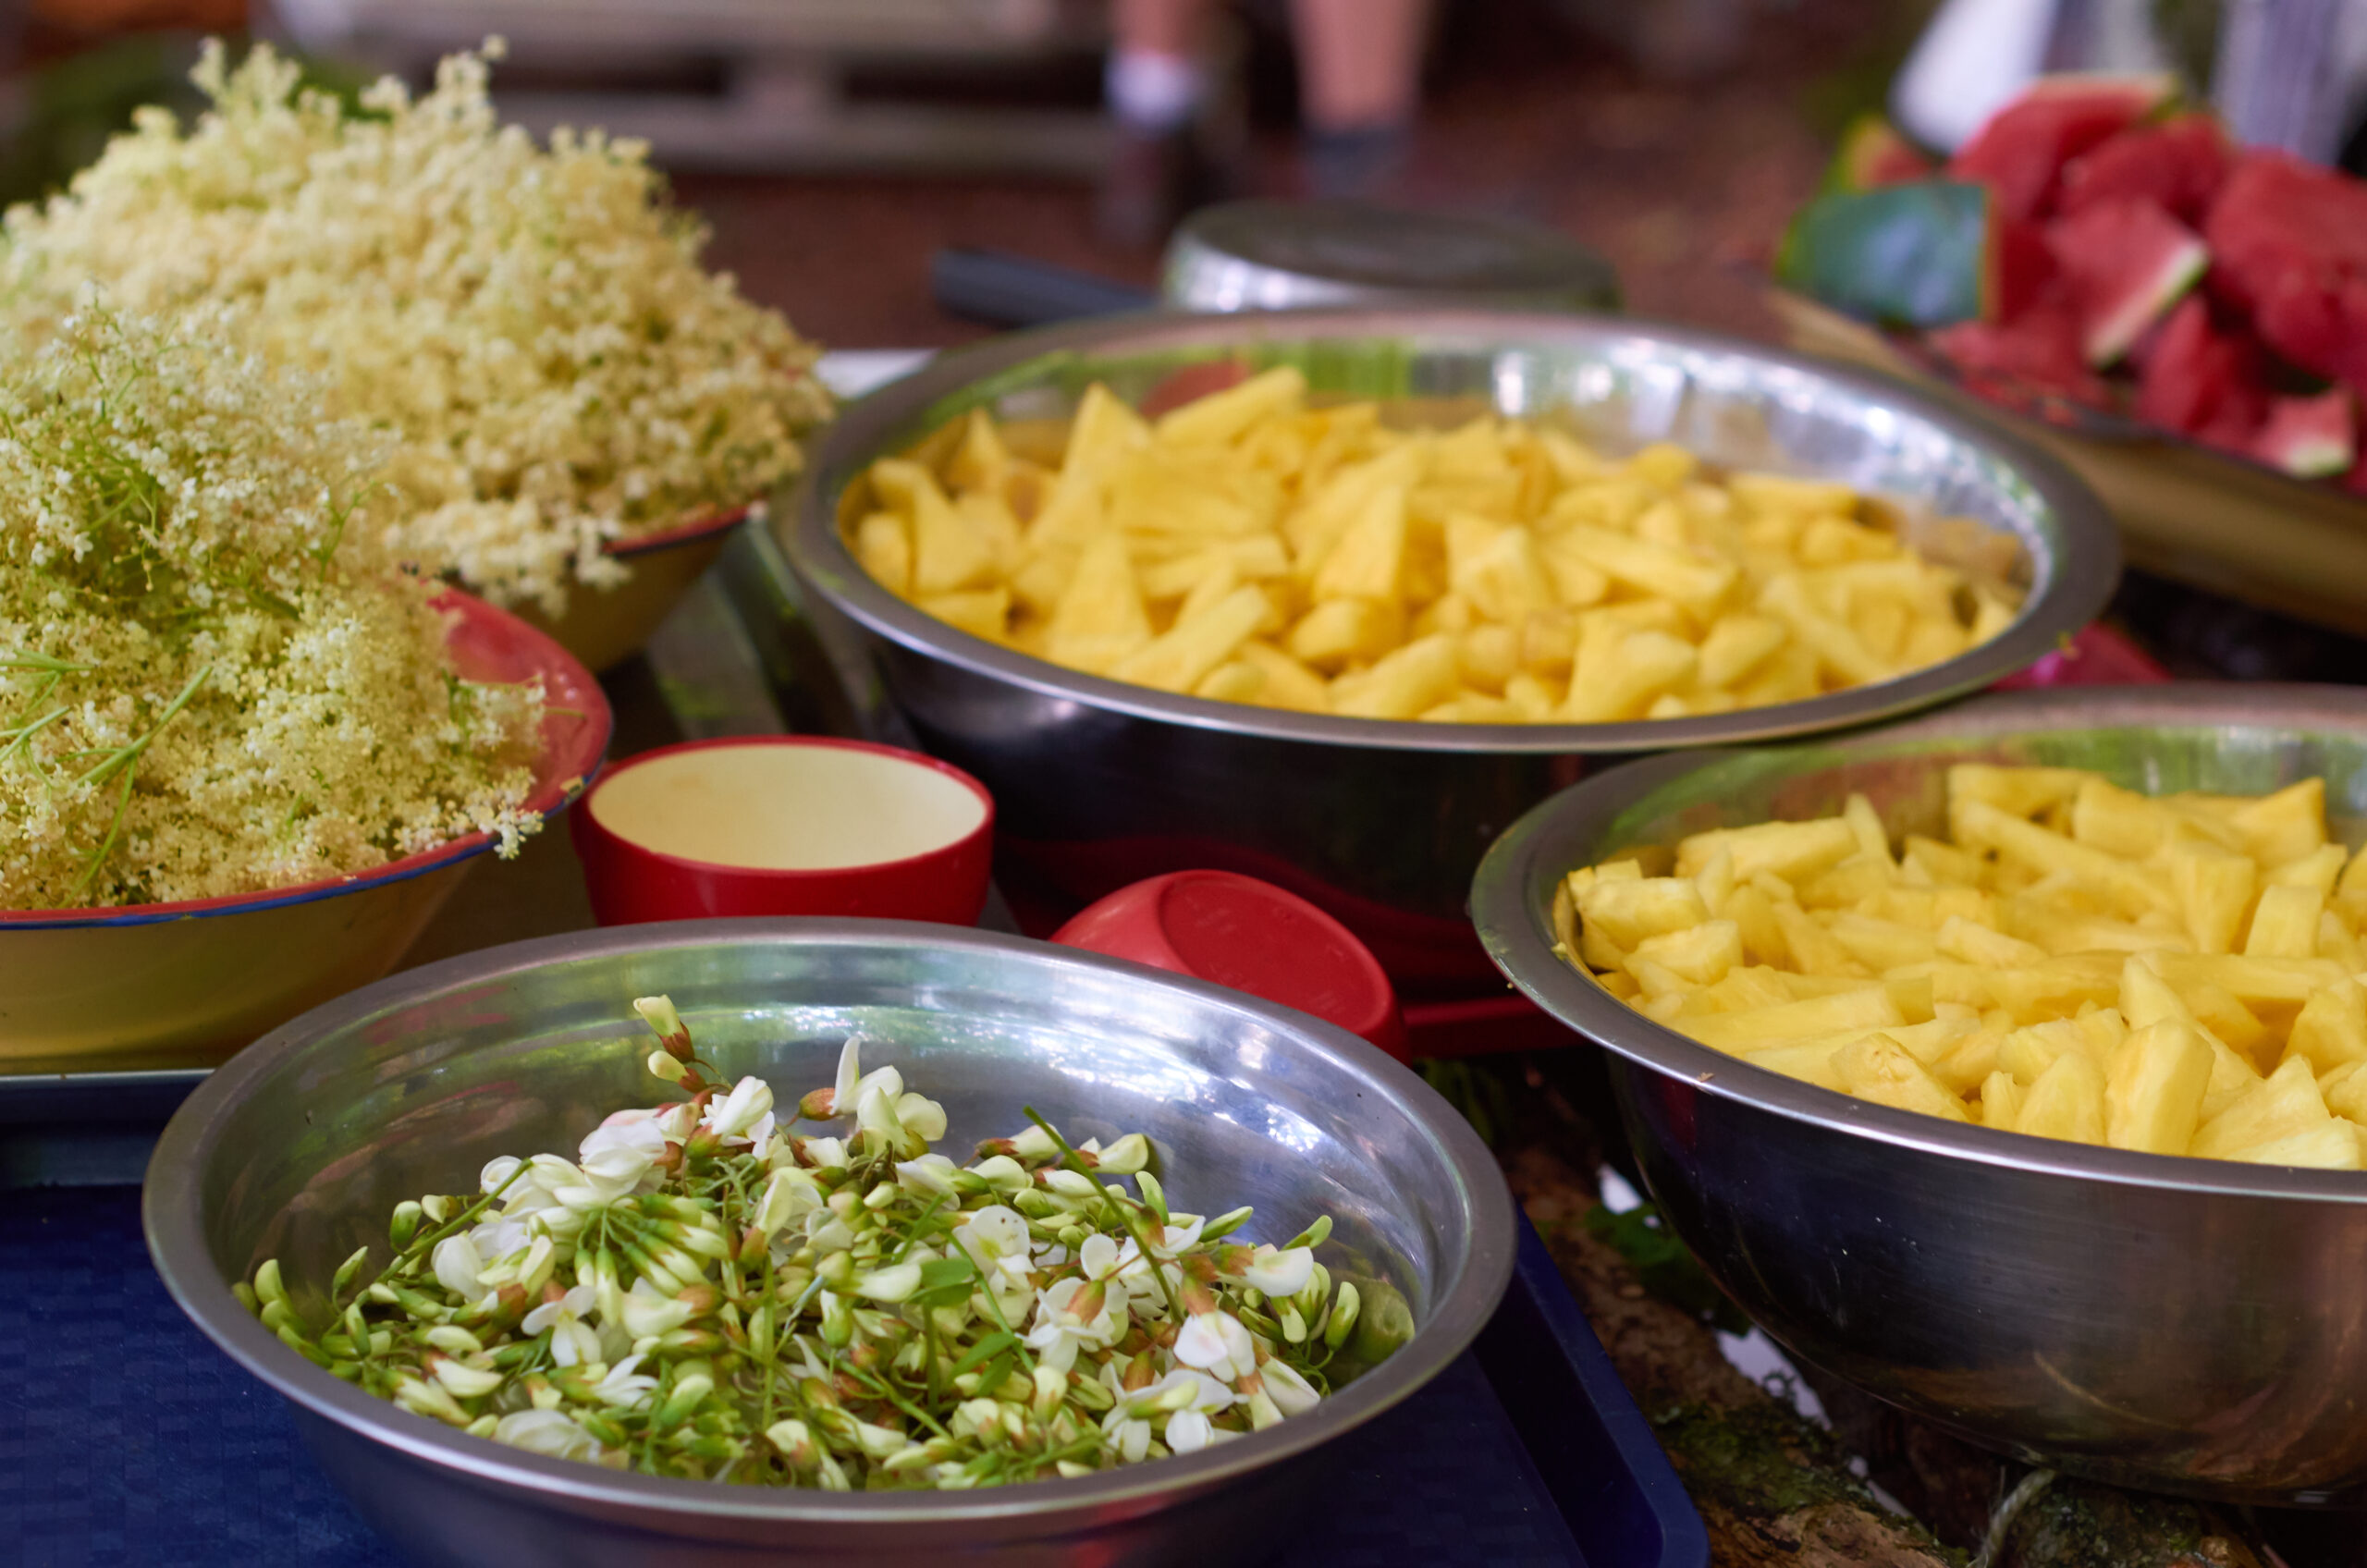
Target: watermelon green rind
(2127,262)
(2309,438)
(1907,255)
(1873,154)
(2108,335)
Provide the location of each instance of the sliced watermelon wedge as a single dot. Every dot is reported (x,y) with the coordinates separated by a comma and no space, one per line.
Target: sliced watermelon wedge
(2021,149)
(1909,255)
(2037,352)
(1873,154)
(2127,262)
(2179,163)
(2309,438)
(2289,244)
(2192,377)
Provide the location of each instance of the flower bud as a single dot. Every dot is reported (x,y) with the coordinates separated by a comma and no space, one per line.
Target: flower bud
(453,1339)
(664,1067)
(267,1286)
(1051,1388)
(890,1285)
(246,1297)
(465,1382)
(1226,1224)
(1154,1194)
(666,1024)
(685,1398)
(795,1442)
(1343,1317)
(838,1320)
(1313,1236)
(833,1476)
(1294,1325)
(1127,1156)
(426,1398)
(818,1104)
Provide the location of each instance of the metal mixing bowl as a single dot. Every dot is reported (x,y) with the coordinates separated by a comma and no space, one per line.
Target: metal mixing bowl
(2180,1324)
(1382,823)
(302,1145)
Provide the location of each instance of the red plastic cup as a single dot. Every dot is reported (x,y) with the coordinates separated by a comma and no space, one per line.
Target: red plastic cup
(1234,930)
(785,825)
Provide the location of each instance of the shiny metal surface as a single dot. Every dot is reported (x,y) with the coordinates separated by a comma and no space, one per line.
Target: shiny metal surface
(301,1145)
(1290,255)
(2177,1324)
(1383,823)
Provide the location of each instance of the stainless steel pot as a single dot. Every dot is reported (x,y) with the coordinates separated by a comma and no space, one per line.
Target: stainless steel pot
(2189,1324)
(1098,783)
(301,1146)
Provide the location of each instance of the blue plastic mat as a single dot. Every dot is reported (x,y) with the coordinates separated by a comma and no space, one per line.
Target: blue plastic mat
(127,1438)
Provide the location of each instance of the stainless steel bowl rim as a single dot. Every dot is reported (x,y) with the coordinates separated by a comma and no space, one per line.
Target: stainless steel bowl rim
(2073,591)
(1517,935)
(175,1228)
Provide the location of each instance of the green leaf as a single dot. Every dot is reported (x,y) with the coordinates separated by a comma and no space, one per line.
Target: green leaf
(992,1345)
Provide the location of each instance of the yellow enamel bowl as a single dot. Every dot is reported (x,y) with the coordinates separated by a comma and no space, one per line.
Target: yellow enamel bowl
(603,627)
(184,985)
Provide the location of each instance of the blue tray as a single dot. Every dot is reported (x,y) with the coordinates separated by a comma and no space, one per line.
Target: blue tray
(127,1437)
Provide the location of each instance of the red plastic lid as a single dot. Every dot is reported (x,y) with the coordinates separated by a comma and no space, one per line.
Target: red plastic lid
(1236,931)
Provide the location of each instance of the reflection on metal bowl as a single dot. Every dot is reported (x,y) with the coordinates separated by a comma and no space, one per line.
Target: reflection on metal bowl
(2153,1321)
(302,1145)
(1382,823)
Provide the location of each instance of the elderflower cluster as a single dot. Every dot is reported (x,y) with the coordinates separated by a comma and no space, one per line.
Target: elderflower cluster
(213,680)
(531,326)
(703,1293)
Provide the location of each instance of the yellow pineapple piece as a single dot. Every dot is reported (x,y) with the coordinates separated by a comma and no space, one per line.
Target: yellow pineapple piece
(1225,416)
(1099,620)
(2153,1097)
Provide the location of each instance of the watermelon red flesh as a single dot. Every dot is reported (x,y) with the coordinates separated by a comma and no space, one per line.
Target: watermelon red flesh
(2310,437)
(2125,264)
(2179,163)
(2020,269)
(1874,154)
(2192,378)
(2038,350)
(2289,244)
(2020,151)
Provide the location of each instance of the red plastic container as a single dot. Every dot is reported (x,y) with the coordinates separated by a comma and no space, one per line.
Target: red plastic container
(785,825)
(1234,930)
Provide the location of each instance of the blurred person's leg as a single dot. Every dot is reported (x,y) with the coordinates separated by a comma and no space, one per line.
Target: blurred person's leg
(1360,66)
(1159,80)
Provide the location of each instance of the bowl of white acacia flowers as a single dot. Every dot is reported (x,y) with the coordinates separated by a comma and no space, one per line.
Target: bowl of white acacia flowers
(826,1241)
(578,410)
(244,756)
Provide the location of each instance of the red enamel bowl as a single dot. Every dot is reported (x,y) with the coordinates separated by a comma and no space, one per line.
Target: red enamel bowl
(185,984)
(785,825)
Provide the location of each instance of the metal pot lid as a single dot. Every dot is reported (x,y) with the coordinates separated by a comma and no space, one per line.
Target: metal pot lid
(1280,255)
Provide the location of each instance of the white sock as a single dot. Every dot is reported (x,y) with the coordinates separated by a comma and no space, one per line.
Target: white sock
(1152,91)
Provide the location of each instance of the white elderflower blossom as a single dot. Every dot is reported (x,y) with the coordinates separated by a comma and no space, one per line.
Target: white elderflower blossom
(213,680)
(531,324)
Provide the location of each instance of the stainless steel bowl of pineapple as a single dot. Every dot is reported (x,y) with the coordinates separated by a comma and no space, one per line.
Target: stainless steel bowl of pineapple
(1104,777)
(2157,1320)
